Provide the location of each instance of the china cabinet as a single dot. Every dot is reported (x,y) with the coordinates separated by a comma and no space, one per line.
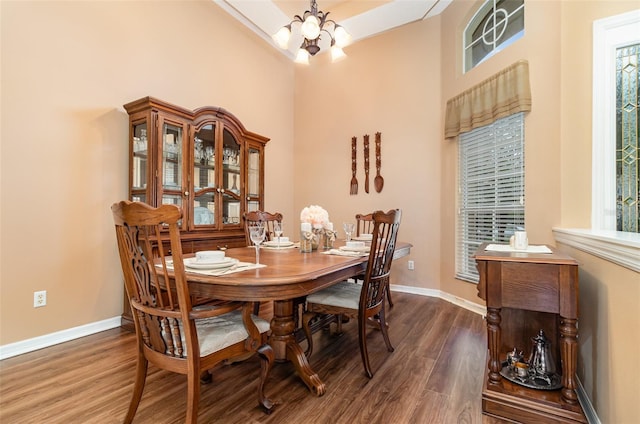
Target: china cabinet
(526,293)
(204,161)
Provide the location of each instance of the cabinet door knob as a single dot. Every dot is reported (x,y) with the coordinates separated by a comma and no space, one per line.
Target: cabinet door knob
(186,193)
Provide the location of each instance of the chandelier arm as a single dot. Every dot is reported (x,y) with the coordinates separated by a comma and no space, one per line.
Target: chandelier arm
(330,35)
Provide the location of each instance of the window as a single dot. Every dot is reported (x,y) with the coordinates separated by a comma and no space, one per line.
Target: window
(497,24)
(627,147)
(491,188)
(615,124)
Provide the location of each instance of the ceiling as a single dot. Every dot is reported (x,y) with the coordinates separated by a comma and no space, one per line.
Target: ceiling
(361,18)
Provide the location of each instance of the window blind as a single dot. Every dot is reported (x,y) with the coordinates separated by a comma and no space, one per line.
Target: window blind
(491,188)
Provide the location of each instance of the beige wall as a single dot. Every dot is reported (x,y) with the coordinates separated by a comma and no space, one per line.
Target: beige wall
(67,69)
(390,84)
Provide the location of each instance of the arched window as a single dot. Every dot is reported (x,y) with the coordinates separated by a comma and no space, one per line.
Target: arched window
(495,25)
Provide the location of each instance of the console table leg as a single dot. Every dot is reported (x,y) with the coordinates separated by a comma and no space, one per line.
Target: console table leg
(493,335)
(569,356)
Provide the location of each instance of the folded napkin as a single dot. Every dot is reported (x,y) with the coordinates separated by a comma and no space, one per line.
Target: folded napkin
(237,267)
(345,253)
(508,248)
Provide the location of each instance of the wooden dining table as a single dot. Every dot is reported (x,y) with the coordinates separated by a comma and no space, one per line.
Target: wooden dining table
(289,275)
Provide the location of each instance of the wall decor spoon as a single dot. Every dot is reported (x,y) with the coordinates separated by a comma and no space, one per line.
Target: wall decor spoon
(366,163)
(378,181)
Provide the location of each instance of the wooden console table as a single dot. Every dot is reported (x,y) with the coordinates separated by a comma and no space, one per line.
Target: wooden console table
(526,292)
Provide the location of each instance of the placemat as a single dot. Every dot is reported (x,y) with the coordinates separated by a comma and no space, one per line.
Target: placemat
(507,248)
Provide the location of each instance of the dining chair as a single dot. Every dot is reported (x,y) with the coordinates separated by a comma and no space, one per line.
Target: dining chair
(364,302)
(267,218)
(364,225)
(171,333)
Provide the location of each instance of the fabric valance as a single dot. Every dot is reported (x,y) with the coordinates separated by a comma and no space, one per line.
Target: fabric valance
(503,94)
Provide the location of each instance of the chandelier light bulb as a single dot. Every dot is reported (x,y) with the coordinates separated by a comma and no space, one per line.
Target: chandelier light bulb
(282,37)
(337,53)
(310,27)
(341,36)
(302,57)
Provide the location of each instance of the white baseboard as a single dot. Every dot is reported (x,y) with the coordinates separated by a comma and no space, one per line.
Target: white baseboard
(585,402)
(29,345)
(463,303)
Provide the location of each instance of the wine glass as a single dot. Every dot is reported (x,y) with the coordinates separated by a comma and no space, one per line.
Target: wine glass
(277,230)
(348,229)
(256,232)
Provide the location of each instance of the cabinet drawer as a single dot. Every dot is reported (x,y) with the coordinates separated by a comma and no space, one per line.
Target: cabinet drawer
(530,286)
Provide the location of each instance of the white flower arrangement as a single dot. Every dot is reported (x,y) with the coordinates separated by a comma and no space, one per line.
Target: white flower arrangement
(316,216)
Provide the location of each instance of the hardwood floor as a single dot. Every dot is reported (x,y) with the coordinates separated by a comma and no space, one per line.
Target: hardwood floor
(434,376)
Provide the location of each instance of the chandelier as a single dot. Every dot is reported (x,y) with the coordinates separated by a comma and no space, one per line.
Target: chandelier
(312,24)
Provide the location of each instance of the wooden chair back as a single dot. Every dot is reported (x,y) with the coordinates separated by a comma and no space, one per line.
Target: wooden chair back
(266,218)
(364,224)
(376,277)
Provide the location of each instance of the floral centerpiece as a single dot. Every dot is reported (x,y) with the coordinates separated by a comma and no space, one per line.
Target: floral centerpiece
(316,216)
(315,225)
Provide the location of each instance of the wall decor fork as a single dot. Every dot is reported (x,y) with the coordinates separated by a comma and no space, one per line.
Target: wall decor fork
(354,180)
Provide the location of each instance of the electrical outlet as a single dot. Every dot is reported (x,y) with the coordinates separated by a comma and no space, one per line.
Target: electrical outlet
(39,298)
(410,265)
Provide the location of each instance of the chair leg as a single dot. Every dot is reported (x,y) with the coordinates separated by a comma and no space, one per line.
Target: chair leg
(362,339)
(206,377)
(339,319)
(306,319)
(256,308)
(193,396)
(138,387)
(266,361)
(389,297)
(384,329)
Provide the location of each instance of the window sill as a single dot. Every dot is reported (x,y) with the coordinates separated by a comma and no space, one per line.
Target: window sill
(615,246)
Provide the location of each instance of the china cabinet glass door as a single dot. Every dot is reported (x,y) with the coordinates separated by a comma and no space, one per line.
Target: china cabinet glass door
(254,184)
(231,179)
(140,162)
(204,176)
(172,163)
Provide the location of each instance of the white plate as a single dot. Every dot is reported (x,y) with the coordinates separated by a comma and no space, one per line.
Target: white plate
(362,238)
(355,249)
(193,263)
(274,243)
